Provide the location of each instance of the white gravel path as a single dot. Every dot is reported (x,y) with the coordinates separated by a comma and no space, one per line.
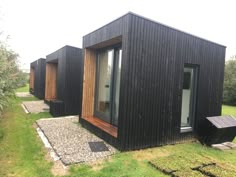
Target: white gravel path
(23,94)
(36,106)
(70,141)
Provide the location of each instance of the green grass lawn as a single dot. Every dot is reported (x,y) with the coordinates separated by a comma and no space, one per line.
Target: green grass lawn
(23,89)
(22,153)
(229,110)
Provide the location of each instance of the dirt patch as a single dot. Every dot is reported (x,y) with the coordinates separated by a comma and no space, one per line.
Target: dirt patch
(149,154)
(99,164)
(58,169)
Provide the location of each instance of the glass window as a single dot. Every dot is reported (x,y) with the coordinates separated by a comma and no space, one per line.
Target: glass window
(189,97)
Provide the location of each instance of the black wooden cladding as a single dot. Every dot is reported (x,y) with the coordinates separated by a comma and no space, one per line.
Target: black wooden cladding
(39,67)
(153,58)
(69,79)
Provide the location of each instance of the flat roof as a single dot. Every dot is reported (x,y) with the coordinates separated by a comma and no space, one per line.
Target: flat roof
(134,14)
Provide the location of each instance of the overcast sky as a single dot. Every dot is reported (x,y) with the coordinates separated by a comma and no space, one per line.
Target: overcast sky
(38,28)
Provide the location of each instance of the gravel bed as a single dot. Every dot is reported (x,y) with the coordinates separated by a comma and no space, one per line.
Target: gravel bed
(70,141)
(36,106)
(23,94)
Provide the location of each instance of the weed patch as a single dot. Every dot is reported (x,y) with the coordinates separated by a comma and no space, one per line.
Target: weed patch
(187,166)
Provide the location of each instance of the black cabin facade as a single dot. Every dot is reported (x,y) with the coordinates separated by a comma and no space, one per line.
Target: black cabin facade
(63,89)
(146,84)
(37,78)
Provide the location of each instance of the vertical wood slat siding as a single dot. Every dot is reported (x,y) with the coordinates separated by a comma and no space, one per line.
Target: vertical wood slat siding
(38,85)
(51,81)
(152,76)
(143,120)
(73,81)
(69,78)
(88,82)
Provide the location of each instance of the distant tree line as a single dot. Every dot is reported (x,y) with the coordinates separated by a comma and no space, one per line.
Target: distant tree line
(11,77)
(229,94)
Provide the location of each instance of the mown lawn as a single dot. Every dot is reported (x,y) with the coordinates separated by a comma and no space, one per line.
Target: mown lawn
(23,89)
(229,110)
(22,153)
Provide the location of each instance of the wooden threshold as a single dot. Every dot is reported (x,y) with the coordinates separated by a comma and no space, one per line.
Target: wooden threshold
(106,127)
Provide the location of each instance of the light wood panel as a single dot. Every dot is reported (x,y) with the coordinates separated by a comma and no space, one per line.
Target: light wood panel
(51,81)
(32,75)
(89,82)
(106,127)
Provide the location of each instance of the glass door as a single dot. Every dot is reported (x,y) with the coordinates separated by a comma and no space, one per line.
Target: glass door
(189,92)
(103,84)
(108,85)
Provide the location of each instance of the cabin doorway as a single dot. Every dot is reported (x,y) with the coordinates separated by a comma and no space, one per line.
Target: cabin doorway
(32,78)
(107,91)
(51,81)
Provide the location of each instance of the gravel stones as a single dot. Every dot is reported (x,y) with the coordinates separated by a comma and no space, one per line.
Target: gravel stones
(71,141)
(36,106)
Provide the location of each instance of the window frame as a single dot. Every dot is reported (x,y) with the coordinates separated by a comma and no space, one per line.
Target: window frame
(193,98)
(96,113)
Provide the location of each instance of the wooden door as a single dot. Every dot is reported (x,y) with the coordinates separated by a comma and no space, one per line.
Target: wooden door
(51,81)
(32,75)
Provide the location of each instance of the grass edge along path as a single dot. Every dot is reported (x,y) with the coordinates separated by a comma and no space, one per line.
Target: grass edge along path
(21,152)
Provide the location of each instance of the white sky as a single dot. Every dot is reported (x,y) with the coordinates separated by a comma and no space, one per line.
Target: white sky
(38,28)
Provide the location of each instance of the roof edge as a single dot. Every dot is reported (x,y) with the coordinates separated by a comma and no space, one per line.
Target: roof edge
(140,16)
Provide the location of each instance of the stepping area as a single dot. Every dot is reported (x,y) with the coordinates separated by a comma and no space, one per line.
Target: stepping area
(23,94)
(35,106)
(71,142)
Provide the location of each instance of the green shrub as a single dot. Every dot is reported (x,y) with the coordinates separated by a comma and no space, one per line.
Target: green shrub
(229,94)
(10,75)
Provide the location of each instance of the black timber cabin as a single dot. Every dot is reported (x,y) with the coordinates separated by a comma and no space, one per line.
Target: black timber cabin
(37,78)
(147,84)
(63,89)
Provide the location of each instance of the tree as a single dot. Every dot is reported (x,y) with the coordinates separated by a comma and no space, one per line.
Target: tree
(10,75)
(229,94)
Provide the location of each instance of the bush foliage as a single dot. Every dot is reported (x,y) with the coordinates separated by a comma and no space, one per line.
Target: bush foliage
(10,75)
(229,94)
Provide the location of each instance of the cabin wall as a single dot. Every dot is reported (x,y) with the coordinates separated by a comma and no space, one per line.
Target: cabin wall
(111,34)
(152,69)
(37,78)
(151,115)
(39,90)
(59,57)
(69,78)
(73,81)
